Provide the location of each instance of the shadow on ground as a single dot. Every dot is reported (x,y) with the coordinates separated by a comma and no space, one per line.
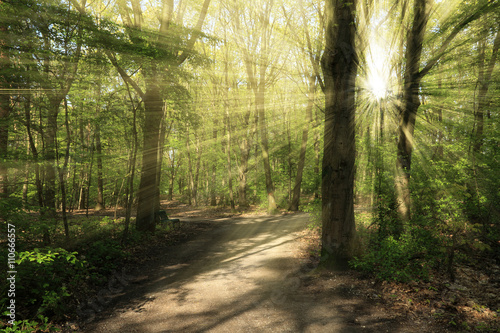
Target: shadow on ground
(241,276)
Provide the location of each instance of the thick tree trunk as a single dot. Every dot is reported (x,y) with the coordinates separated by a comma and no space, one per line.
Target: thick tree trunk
(339,64)
(148,191)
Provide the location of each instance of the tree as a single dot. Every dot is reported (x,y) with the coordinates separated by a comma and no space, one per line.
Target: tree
(5,105)
(257,53)
(152,94)
(413,76)
(312,79)
(339,63)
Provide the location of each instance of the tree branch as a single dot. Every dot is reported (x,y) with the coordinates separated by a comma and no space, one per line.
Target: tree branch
(196,32)
(488,7)
(123,74)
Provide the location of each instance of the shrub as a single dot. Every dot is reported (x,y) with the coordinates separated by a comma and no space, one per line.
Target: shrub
(44,280)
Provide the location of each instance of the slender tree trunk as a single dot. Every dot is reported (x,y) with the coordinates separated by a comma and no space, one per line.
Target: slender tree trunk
(172,176)
(317,138)
(213,198)
(339,64)
(62,171)
(294,205)
(484,79)
(129,197)
(5,110)
(228,154)
(89,183)
(190,170)
(197,173)
(34,151)
(162,136)
(264,144)
(245,145)
(100,183)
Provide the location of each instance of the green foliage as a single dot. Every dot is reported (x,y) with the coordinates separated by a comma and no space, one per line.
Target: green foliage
(314,209)
(104,255)
(31,226)
(42,325)
(392,259)
(44,280)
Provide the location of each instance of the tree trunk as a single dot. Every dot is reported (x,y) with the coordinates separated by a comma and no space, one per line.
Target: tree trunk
(228,154)
(129,196)
(261,112)
(62,171)
(484,79)
(243,166)
(148,191)
(34,151)
(317,138)
(162,136)
(5,110)
(339,64)
(213,198)
(50,157)
(197,173)
(408,113)
(294,205)
(190,170)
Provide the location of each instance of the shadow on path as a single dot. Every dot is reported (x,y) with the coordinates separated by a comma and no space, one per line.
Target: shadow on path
(240,276)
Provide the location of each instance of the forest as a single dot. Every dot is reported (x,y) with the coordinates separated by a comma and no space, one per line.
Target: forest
(380,119)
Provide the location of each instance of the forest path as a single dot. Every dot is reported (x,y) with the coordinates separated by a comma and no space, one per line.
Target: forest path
(242,275)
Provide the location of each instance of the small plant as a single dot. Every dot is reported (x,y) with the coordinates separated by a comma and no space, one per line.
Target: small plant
(31,326)
(44,279)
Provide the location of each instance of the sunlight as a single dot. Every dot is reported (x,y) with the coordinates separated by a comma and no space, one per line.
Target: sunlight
(378,65)
(377,85)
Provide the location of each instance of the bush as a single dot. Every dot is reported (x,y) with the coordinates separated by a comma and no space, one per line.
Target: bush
(44,279)
(400,260)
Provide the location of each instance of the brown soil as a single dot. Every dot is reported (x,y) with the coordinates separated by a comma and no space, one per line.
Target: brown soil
(232,272)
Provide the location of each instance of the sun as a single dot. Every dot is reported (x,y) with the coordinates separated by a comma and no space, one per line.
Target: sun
(378,74)
(377,85)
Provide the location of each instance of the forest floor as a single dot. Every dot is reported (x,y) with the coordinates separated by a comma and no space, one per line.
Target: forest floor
(228,272)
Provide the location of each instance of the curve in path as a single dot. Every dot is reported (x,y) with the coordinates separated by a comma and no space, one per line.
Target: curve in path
(240,276)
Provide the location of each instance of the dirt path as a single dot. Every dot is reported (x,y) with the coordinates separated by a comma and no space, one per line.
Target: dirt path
(241,275)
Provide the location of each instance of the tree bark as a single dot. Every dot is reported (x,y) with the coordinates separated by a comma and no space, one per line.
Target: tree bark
(410,105)
(294,205)
(5,110)
(98,146)
(484,79)
(148,192)
(213,199)
(339,64)
(228,155)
